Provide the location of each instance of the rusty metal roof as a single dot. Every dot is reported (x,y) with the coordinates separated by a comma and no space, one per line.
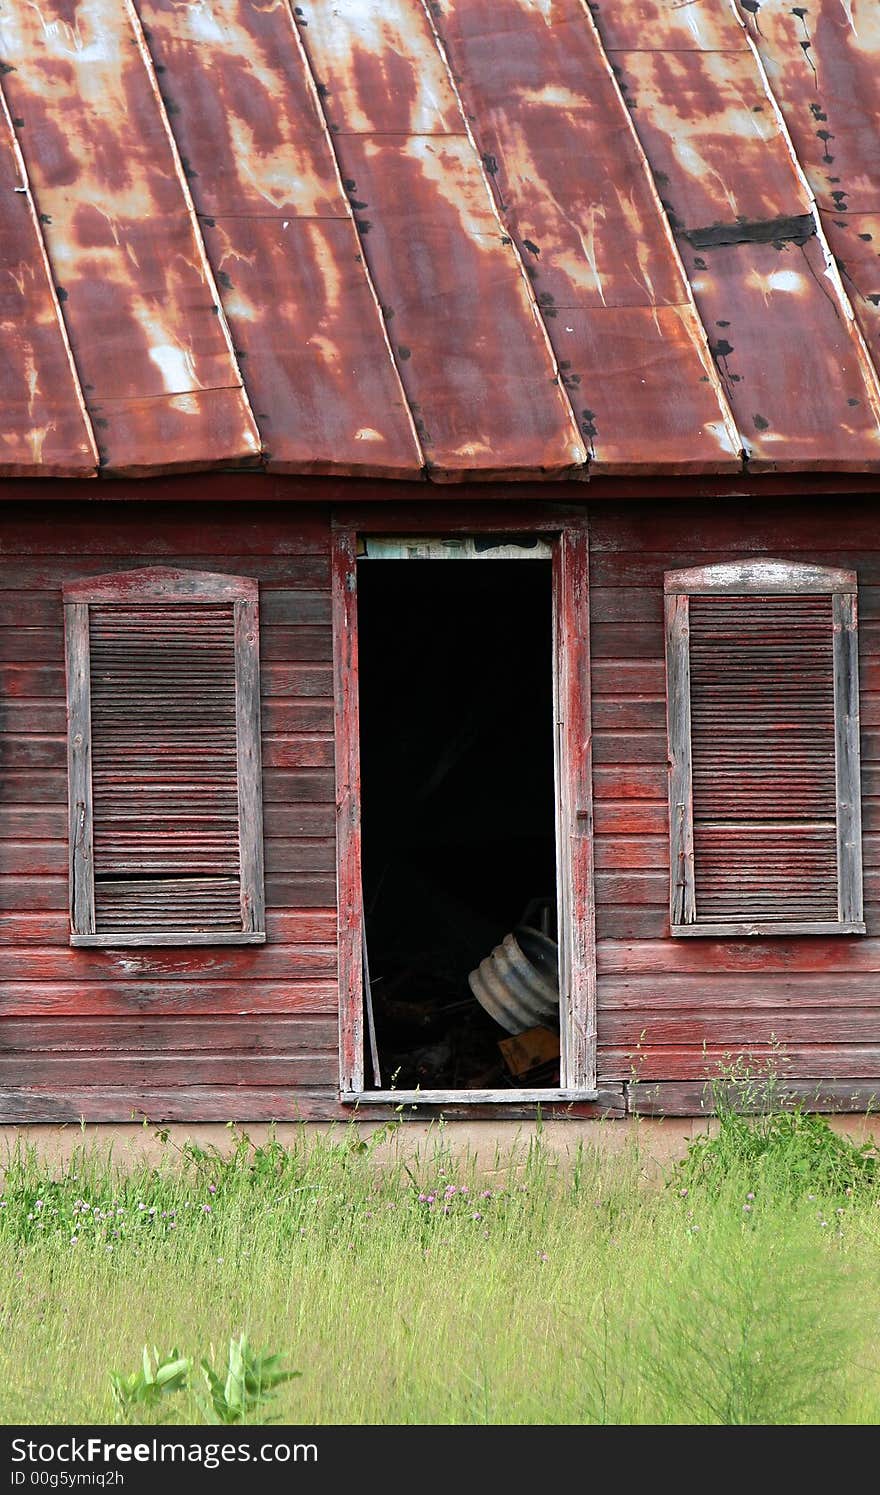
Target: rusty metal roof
(466,238)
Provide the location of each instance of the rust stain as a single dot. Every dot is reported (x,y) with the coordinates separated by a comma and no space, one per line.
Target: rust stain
(669,25)
(473,354)
(765,286)
(656,385)
(278,230)
(244,115)
(44,430)
(472,238)
(855,243)
(823,63)
(319,372)
(144,437)
(574,192)
(127,263)
(377,69)
(712,137)
(786,353)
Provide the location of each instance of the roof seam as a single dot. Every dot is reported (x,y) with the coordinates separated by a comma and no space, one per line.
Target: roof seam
(312,84)
(583,443)
(724,406)
(165,394)
(50,281)
(150,69)
(831,266)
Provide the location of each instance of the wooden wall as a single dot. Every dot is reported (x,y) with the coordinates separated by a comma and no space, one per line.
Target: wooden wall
(251,1033)
(671,1011)
(247,1032)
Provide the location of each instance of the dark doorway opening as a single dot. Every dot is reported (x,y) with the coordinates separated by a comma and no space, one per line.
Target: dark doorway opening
(458,821)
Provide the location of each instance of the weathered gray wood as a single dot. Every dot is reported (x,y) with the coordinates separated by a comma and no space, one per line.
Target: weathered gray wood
(161,584)
(178,937)
(79,769)
(846,741)
(725,931)
(371,1017)
(166,587)
(761,576)
(682,898)
(464,1097)
(136,1101)
(694,1097)
(249,766)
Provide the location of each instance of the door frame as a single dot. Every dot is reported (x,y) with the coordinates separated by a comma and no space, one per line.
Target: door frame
(569,552)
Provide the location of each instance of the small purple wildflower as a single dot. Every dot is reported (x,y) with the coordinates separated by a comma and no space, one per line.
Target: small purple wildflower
(476,1216)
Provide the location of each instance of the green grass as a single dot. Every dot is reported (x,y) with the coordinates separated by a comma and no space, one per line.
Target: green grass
(740,1290)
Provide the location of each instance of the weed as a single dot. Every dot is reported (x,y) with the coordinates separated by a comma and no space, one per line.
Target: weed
(777,1146)
(246,1384)
(146,1387)
(421,1286)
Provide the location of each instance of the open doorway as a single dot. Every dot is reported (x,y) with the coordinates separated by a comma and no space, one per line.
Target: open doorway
(458,817)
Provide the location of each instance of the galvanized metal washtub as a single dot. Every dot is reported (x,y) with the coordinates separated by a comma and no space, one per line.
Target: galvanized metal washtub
(518,983)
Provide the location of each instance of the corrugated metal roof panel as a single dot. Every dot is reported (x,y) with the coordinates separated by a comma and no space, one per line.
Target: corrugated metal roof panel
(800,401)
(823,62)
(472,355)
(689,108)
(592,235)
(387,236)
(44,429)
(669,25)
(855,244)
(279,234)
(125,256)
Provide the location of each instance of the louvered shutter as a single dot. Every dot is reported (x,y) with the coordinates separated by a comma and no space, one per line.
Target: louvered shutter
(763,736)
(164,757)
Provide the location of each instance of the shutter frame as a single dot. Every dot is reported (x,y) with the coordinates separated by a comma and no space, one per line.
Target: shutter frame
(160,585)
(763,577)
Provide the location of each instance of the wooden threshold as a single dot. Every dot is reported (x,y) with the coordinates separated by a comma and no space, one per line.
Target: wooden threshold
(462,1097)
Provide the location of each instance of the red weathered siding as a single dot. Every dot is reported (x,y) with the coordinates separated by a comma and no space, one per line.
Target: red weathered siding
(670,1010)
(252,1033)
(197,1033)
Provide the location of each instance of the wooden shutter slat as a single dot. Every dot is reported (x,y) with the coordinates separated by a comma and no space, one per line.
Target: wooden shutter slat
(164,743)
(763,758)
